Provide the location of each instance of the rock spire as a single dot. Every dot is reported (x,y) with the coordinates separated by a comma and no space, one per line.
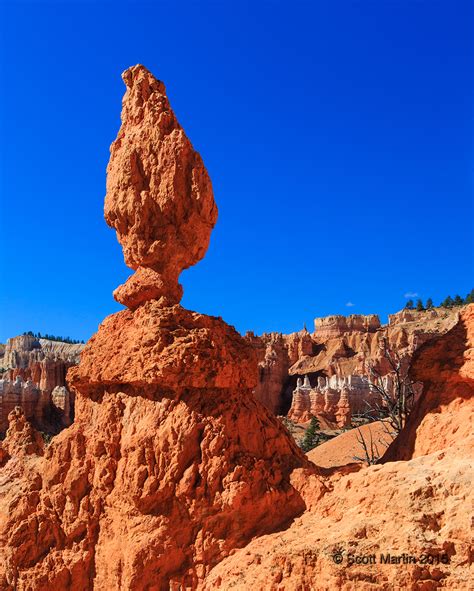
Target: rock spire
(159,195)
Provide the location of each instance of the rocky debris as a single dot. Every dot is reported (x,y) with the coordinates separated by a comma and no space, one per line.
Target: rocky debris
(32,369)
(401,524)
(159,195)
(171,463)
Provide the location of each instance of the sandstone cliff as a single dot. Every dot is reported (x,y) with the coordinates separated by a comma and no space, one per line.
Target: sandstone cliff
(34,378)
(276,353)
(340,349)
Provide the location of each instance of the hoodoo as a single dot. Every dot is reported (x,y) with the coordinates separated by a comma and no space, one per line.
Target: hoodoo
(171,463)
(159,195)
(174,476)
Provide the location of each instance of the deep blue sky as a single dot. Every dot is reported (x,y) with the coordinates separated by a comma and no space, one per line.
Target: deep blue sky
(338,136)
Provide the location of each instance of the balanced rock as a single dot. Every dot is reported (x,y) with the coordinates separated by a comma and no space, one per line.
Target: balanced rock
(171,463)
(159,195)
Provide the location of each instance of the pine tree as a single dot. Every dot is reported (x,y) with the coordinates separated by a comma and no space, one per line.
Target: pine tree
(448,302)
(458,301)
(429,304)
(419,306)
(311,437)
(409,305)
(470,297)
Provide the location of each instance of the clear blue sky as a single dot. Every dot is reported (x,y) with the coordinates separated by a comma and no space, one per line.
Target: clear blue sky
(338,136)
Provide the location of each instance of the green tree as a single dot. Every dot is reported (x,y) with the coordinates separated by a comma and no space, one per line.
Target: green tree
(419,306)
(429,304)
(311,437)
(447,302)
(458,301)
(470,297)
(409,305)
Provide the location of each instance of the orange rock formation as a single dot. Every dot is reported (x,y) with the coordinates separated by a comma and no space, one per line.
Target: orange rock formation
(34,378)
(173,476)
(171,463)
(340,347)
(413,514)
(159,195)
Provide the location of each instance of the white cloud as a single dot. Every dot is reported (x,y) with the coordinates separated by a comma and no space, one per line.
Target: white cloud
(411,294)
(350,304)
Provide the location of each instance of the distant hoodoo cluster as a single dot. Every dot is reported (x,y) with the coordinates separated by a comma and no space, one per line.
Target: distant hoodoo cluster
(34,378)
(336,399)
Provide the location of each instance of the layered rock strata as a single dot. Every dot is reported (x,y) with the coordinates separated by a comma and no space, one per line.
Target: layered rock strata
(336,326)
(34,378)
(18,393)
(336,399)
(276,353)
(341,347)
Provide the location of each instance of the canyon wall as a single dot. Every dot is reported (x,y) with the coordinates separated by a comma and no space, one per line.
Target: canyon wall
(276,353)
(396,525)
(34,378)
(344,347)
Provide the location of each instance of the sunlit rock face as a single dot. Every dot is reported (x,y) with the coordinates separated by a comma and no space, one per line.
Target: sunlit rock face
(336,326)
(159,195)
(33,369)
(171,463)
(342,347)
(410,516)
(335,399)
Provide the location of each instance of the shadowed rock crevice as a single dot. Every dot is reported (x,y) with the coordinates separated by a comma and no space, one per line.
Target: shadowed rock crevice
(444,383)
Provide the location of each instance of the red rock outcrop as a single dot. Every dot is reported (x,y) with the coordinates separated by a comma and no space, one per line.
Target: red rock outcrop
(159,195)
(173,476)
(171,463)
(400,525)
(276,353)
(446,367)
(336,326)
(22,439)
